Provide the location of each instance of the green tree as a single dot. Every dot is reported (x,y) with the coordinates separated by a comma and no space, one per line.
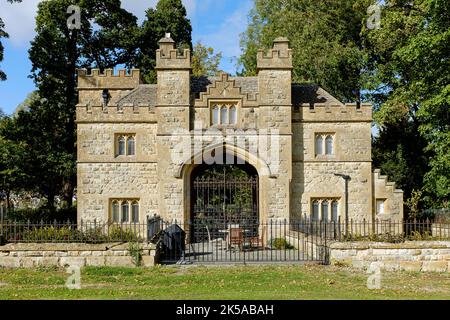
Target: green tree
(12,178)
(325,36)
(104,40)
(410,80)
(204,61)
(169,16)
(3,34)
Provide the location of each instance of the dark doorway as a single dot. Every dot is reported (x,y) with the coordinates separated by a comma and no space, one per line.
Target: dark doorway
(222,195)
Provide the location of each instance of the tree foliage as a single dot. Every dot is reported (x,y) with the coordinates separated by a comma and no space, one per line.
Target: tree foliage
(403,67)
(169,16)
(410,80)
(204,61)
(104,41)
(325,36)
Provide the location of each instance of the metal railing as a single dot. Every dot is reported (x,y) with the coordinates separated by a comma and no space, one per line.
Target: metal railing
(206,240)
(84,232)
(378,230)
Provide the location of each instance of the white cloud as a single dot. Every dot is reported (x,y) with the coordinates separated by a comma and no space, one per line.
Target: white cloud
(226,37)
(20,21)
(20,17)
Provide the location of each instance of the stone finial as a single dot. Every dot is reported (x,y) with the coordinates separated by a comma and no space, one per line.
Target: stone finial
(166,44)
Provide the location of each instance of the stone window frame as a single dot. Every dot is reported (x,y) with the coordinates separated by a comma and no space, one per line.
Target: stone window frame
(130,202)
(325,136)
(127,136)
(228,104)
(320,201)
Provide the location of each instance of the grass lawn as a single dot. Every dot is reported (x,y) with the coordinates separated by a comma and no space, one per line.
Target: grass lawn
(221,283)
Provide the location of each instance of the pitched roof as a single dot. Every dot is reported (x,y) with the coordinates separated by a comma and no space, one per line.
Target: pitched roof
(311,94)
(146,94)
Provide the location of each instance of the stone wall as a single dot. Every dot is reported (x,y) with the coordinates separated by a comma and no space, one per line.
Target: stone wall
(408,256)
(98,183)
(312,180)
(393,197)
(72,254)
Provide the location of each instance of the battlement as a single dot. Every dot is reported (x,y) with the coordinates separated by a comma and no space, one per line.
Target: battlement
(168,57)
(340,113)
(128,113)
(108,80)
(279,57)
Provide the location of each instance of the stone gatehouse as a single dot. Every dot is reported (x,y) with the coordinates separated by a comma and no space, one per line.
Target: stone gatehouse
(141,146)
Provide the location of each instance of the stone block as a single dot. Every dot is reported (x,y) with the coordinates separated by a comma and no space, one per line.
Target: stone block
(95,261)
(50,262)
(72,261)
(120,253)
(29,254)
(391,266)
(30,262)
(412,266)
(148,261)
(9,262)
(116,261)
(435,266)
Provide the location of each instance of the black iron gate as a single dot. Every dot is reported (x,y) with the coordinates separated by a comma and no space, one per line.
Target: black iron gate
(244,241)
(230,200)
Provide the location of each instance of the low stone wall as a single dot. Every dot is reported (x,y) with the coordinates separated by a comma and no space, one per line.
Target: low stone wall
(415,256)
(72,254)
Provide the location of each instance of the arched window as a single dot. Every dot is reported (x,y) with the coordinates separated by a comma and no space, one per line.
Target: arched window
(135,212)
(224,115)
(335,211)
(329,145)
(115,212)
(325,211)
(125,212)
(319,145)
(215,115)
(121,146)
(233,115)
(315,211)
(131,145)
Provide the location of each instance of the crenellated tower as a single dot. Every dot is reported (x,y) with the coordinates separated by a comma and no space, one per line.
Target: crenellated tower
(173,93)
(275,114)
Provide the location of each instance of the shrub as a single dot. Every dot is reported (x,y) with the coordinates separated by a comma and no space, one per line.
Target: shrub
(135,250)
(281,244)
(116,233)
(50,233)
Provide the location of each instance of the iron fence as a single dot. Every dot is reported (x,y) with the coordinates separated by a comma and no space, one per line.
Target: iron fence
(239,241)
(243,240)
(84,232)
(378,230)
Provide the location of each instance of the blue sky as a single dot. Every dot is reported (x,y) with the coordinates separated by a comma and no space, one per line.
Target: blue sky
(216,23)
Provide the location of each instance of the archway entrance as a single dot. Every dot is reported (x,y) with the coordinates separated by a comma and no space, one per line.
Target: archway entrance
(222,195)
